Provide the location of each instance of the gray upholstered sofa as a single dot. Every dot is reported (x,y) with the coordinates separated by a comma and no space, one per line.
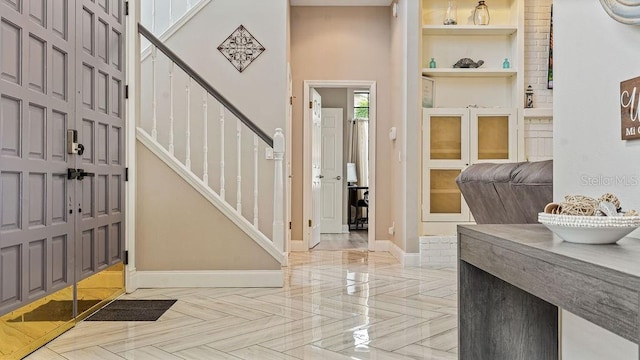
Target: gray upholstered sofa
(510,193)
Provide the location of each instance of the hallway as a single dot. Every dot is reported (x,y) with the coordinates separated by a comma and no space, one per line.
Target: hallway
(334,305)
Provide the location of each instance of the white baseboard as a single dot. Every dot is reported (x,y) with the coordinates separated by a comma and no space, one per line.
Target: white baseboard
(406,259)
(345,229)
(208,278)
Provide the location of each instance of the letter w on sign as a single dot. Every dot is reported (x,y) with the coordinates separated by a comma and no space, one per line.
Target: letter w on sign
(629,102)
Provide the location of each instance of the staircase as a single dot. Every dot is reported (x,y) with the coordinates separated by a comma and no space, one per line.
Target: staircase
(223,155)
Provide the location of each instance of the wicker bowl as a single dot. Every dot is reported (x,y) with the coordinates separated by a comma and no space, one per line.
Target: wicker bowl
(590,229)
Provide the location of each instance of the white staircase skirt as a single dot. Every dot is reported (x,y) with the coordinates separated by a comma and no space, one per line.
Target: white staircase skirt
(211,196)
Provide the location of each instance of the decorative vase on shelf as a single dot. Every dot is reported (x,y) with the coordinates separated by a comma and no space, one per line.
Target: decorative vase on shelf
(451,15)
(506,64)
(432,63)
(481,14)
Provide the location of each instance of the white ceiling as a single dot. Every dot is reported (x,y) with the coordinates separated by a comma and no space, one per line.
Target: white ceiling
(341,2)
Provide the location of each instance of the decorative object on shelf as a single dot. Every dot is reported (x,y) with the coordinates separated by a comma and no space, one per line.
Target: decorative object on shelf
(629,107)
(451,15)
(624,11)
(466,63)
(432,63)
(481,14)
(506,64)
(529,97)
(241,48)
(582,219)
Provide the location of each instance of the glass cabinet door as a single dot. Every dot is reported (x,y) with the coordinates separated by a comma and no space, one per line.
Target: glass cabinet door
(445,147)
(493,135)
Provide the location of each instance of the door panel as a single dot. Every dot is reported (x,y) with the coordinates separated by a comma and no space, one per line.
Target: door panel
(55,231)
(332,165)
(35,227)
(316,165)
(100,76)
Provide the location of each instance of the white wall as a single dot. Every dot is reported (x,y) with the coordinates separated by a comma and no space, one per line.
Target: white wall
(592,55)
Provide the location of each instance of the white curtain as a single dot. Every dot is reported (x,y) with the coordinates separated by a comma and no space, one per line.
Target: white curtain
(359,149)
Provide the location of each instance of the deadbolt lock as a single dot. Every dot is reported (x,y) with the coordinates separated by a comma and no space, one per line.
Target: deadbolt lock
(73,147)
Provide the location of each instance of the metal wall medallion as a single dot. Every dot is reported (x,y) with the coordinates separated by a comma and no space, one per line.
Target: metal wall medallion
(241,48)
(624,11)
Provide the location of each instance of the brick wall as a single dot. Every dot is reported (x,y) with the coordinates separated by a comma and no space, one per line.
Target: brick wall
(536,50)
(538,139)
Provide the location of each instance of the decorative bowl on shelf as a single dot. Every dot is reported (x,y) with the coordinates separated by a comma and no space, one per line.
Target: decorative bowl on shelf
(590,229)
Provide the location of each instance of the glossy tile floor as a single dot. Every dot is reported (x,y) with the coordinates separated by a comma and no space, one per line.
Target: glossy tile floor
(353,240)
(335,305)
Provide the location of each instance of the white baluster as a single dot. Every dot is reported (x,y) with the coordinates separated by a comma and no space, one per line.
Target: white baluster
(239,178)
(171,120)
(154,128)
(255,180)
(189,4)
(222,189)
(278,190)
(170,13)
(205,148)
(188,154)
(153,16)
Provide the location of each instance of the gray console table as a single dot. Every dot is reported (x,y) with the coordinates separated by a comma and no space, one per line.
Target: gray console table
(513,278)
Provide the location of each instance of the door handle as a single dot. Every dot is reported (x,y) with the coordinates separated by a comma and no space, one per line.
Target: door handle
(338,177)
(320,176)
(78,174)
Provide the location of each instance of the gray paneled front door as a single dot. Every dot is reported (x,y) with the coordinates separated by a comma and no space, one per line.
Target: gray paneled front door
(61,67)
(100,125)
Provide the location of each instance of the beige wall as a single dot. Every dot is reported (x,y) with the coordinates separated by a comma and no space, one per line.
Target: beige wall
(343,43)
(178,229)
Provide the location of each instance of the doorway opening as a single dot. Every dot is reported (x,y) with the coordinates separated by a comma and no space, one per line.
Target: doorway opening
(339,171)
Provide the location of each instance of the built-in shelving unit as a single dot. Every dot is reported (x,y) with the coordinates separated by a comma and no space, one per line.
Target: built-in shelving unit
(480,72)
(469,30)
(478,113)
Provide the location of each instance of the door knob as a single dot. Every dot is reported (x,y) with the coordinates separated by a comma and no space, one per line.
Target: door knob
(338,177)
(320,176)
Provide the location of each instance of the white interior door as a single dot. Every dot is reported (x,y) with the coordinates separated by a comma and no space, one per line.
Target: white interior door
(332,170)
(316,167)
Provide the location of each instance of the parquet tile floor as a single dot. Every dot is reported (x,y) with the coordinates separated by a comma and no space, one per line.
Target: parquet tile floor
(334,305)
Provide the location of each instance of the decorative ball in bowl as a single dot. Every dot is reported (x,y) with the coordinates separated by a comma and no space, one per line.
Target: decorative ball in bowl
(590,229)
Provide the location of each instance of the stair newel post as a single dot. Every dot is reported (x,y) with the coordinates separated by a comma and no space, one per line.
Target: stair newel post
(188,151)
(154,128)
(278,189)
(171,119)
(239,157)
(205,147)
(222,188)
(255,180)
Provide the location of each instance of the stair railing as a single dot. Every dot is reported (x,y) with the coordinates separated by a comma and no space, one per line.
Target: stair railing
(163,131)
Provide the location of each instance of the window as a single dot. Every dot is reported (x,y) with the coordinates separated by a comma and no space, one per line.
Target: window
(361,105)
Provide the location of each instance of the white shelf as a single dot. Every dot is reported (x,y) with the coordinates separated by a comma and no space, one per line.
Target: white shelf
(481,72)
(469,30)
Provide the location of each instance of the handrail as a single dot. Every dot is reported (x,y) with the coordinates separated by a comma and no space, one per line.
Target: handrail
(205,85)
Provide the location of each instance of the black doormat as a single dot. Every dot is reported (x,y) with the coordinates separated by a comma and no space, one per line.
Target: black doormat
(132,310)
(55,310)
